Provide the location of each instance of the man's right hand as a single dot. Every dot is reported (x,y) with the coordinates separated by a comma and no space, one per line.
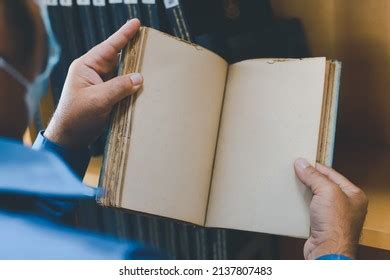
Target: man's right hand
(337,211)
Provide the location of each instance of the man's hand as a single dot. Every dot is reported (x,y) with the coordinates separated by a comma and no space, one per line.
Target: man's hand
(337,211)
(90,92)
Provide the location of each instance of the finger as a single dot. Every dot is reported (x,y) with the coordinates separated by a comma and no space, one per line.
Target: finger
(103,57)
(332,174)
(346,186)
(311,177)
(114,90)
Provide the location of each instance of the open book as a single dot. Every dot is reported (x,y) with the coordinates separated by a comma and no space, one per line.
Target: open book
(214,144)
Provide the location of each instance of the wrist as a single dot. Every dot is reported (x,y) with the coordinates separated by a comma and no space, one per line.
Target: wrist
(346,249)
(59,137)
(54,137)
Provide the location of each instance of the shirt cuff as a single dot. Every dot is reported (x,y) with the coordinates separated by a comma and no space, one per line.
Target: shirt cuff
(334,257)
(77,159)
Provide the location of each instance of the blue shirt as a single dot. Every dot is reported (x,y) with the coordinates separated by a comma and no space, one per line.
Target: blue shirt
(39,189)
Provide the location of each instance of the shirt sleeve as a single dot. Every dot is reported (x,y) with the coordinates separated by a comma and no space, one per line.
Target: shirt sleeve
(333,257)
(76,159)
(52,241)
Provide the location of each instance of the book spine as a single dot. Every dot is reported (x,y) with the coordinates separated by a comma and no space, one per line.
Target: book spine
(58,76)
(133,8)
(101,19)
(117,14)
(55,21)
(155,233)
(150,14)
(87,23)
(177,20)
(197,235)
(223,244)
(71,26)
(183,241)
(141,226)
(170,238)
(209,41)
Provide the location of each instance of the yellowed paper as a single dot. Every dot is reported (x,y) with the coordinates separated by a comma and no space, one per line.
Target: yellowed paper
(271,116)
(174,130)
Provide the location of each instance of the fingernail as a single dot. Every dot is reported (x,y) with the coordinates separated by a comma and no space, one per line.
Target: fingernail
(133,19)
(302,163)
(136,79)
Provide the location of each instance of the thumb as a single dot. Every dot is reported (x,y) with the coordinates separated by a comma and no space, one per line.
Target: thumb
(310,176)
(114,90)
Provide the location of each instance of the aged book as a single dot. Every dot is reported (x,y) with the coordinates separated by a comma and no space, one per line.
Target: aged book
(213,144)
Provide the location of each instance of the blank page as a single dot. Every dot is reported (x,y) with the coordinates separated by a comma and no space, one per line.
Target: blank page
(174,130)
(271,116)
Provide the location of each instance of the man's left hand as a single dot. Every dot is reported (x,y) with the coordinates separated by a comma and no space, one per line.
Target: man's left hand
(90,92)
